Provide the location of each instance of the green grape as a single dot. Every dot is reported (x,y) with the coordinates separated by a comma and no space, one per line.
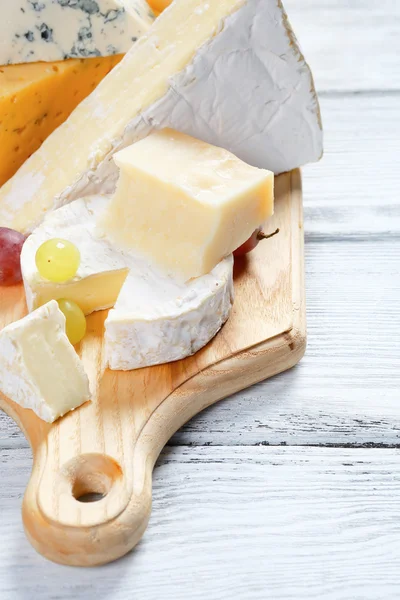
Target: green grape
(57,260)
(75,326)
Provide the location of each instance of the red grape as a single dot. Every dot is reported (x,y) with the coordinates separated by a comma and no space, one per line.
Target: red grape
(11,243)
(252,242)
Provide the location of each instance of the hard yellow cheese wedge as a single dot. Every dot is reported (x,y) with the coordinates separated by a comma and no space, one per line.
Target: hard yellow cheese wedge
(184,203)
(36,98)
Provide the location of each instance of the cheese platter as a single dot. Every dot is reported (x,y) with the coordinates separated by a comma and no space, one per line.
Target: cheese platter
(109,445)
(151,251)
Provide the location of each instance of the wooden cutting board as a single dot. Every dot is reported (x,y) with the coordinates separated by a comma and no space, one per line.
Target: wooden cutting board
(88,500)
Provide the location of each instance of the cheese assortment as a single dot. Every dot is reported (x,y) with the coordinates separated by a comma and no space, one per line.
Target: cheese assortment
(39,368)
(140,200)
(39,87)
(216,200)
(156,318)
(52,30)
(36,98)
(229,73)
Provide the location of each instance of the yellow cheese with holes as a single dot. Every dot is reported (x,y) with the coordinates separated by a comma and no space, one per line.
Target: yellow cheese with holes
(36,98)
(184,203)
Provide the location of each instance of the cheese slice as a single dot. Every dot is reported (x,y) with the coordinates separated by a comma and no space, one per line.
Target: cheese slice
(39,368)
(184,203)
(227,72)
(36,98)
(52,30)
(156,318)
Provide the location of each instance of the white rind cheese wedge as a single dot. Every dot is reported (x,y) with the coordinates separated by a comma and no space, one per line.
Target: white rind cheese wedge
(39,368)
(52,30)
(102,270)
(229,73)
(158,322)
(156,318)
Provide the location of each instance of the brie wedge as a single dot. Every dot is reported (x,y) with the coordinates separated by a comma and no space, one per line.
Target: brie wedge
(156,318)
(39,368)
(228,72)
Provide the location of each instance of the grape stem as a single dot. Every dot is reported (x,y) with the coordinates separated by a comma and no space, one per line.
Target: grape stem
(265,236)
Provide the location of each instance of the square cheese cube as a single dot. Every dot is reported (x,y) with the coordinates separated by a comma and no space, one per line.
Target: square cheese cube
(186,204)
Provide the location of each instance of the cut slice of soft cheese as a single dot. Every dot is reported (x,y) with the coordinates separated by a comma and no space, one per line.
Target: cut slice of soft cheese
(39,368)
(184,203)
(49,30)
(227,72)
(102,270)
(156,319)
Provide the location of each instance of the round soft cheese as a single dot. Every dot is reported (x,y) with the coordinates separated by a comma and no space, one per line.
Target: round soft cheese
(156,318)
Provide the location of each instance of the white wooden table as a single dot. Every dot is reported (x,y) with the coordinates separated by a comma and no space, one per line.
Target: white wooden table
(291,489)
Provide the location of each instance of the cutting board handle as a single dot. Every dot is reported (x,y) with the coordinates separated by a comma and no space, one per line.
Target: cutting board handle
(89,511)
(92,509)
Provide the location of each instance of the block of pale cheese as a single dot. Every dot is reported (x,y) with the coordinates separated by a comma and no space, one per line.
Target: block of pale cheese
(52,30)
(155,318)
(229,72)
(39,368)
(184,203)
(36,98)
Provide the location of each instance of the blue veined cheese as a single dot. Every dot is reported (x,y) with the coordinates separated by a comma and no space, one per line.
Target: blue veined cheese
(52,30)
(228,72)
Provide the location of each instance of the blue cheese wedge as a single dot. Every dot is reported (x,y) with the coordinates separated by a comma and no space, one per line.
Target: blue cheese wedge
(39,368)
(155,319)
(52,30)
(228,72)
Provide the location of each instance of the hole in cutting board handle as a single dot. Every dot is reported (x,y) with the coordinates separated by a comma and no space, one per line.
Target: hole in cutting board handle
(91,476)
(91,497)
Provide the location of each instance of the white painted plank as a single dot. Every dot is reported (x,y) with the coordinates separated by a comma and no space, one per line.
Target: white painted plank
(247,523)
(354,190)
(346,389)
(351,45)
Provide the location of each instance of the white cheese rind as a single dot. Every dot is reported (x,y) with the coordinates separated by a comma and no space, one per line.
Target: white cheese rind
(39,368)
(177,327)
(52,30)
(246,88)
(156,318)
